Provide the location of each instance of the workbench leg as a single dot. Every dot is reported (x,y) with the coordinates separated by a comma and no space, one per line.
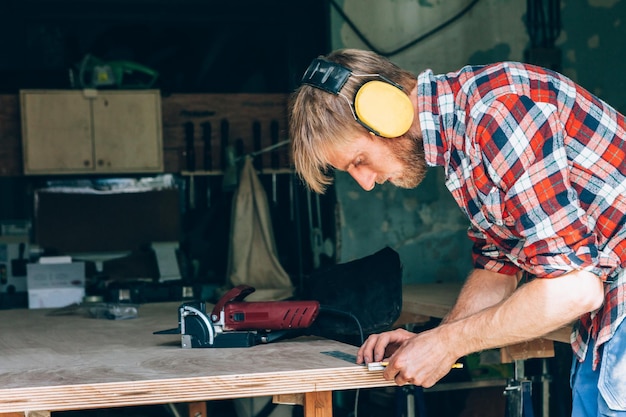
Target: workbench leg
(545,384)
(318,404)
(197,409)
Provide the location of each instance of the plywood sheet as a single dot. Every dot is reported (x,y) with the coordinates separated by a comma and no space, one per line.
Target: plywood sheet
(75,362)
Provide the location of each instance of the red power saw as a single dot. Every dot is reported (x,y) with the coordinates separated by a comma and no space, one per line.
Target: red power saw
(237,323)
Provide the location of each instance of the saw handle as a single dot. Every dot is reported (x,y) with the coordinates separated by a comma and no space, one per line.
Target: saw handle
(235,294)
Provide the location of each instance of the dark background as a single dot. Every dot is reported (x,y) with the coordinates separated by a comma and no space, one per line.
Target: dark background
(195,45)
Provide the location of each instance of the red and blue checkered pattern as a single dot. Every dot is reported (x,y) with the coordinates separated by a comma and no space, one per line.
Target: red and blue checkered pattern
(538,164)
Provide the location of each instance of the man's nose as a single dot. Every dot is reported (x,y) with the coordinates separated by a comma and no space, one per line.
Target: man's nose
(364,177)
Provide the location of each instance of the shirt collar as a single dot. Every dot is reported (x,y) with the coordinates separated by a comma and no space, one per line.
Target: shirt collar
(436,147)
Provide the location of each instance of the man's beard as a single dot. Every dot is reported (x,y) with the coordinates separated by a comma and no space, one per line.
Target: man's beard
(409,150)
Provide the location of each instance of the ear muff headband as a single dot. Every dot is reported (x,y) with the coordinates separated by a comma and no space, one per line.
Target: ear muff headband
(381,107)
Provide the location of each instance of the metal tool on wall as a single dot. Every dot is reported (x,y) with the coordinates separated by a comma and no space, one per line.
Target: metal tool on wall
(275,163)
(229,159)
(207,163)
(319,246)
(207,131)
(190,158)
(93,72)
(256,142)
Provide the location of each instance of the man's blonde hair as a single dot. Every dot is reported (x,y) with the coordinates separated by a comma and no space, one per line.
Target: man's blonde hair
(319,121)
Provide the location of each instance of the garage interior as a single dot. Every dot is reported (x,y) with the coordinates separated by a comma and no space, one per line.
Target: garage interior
(154,220)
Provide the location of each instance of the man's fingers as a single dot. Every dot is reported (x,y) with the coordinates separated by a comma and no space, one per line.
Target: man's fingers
(365,352)
(373,350)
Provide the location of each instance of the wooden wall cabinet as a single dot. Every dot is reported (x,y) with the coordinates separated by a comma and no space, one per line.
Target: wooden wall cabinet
(91,131)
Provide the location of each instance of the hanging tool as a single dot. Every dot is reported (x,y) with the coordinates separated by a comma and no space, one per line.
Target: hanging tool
(315,230)
(230,179)
(207,162)
(190,154)
(94,72)
(256,143)
(190,149)
(274,161)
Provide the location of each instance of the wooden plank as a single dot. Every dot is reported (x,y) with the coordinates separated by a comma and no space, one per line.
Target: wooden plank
(197,409)
(75,362)
(318,404)
(289,399)
(536,348)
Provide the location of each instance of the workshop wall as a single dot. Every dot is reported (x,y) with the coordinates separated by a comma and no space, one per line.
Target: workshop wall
(424,225)
(189,46)
(225,69)
(593,42)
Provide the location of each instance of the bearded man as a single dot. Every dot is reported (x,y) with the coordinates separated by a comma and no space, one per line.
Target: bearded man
(537,164)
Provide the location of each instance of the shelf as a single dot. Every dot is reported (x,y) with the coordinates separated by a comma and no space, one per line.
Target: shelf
(219,172)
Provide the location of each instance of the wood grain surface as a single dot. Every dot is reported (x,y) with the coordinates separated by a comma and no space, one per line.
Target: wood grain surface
(75,362)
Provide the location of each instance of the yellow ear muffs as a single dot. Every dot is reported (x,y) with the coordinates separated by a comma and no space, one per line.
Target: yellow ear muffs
(384,109)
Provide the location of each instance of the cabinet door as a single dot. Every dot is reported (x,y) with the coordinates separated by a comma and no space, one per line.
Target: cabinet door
(127,131)
(56,132)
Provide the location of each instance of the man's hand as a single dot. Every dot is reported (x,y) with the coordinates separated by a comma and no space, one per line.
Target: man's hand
(380,346)
(532,310)
(419,359)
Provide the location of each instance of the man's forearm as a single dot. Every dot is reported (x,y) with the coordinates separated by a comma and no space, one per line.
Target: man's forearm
(482,289)
(534,309)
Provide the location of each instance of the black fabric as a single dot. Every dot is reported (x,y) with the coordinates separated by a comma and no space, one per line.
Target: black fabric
(368,289)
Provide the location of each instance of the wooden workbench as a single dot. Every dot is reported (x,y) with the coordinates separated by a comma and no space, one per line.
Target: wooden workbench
(55,363)
(436,300)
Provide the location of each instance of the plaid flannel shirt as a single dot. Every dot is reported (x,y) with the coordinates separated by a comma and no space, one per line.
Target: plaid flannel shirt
(538,164)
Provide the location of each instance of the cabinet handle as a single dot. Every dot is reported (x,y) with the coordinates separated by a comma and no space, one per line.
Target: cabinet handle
(86,162)
(100,162)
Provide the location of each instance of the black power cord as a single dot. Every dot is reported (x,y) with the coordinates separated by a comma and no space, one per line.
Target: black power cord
(412,43)
(332,310)
(329,309)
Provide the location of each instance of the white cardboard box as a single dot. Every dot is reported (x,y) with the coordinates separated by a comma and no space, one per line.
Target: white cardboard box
(55,285)
(55,297)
